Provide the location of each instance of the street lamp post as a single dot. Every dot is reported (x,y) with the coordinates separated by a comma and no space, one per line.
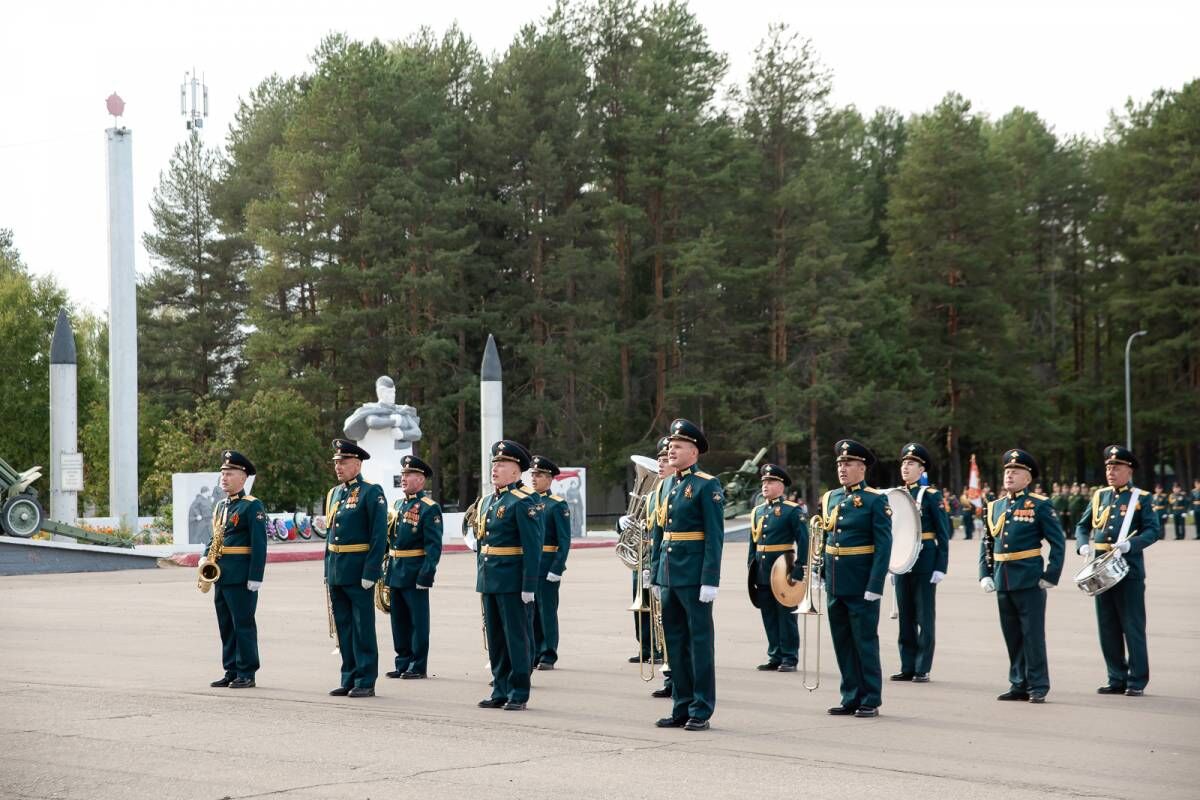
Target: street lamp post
(1128,400)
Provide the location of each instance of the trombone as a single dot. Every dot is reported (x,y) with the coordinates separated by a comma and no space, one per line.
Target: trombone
(814,596)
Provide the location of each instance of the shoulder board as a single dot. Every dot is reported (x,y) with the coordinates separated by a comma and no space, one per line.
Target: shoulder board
(249,498)
(518,493)
(704,476)
(1038,496)
(556,497)
(873,490)
(428,501)
(791,504)
(930,491)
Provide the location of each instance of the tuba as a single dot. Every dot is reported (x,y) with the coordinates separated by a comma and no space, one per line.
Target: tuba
(632,541)
(208,571)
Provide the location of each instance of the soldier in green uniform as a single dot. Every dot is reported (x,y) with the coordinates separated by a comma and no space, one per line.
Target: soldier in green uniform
(1196,509)
(356,518)
(414,549)
(641,620)
(1060,499)
(1178,502)
(1121,611)
(967,511)
(556,544)
(1160,504)
(858,543)
(916,590)
(1075,505)
(510,553)
(242,560)
(685,567)
(1010,564)
(777,527)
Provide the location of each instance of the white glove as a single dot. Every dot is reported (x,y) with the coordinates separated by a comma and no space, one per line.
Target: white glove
(624,522)
(1122,547)
(366,584)
(1044,584)
(645,579)
(1083,549)
(469,539)
(987,584)
(937,577)
(423,588)
(657,590)
(527,597)
(708,594)
(254,586)
(550,576)
(871,596)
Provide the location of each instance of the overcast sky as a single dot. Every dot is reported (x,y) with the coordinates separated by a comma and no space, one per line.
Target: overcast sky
(1070,61)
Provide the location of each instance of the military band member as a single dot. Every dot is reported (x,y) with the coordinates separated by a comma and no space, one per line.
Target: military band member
(858,545)
(556,545)
(1010,564)
(356,516)
(641,619)
(242,561)
(916,590)
(685,572)
(1196,509)
(414,550)
(1121,610)
(510,553)
(777,527)
(966,510)
(1178,503)
(1160,503)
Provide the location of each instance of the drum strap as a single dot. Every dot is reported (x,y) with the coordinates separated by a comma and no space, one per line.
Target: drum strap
(1130,511)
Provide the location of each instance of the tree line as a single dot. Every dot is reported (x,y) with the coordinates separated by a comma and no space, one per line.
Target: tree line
(648,239)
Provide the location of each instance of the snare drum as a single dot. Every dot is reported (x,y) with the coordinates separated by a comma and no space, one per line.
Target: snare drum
(1101,574)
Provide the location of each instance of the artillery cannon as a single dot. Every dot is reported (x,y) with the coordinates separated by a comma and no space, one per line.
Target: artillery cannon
(21,514)
(739,485)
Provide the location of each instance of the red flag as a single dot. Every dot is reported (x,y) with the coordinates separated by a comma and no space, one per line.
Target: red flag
(973,484)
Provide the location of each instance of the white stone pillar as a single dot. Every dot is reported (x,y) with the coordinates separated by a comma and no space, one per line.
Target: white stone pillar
(122,333)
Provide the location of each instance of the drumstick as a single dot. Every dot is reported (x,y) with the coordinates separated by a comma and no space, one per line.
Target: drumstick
(895,611)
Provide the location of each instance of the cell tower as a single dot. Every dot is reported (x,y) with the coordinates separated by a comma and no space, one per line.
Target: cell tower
(196,116)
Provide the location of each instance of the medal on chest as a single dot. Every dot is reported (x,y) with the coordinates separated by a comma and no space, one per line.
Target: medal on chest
(687,490)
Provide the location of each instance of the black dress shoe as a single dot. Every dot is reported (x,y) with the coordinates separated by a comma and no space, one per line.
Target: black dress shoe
(394,674)
(770,666)
(663,692)
(867,711)
(671,722)
(222,683)
(242,683)
(362,691)
(1110,689)
(696,725)
(787,668)
(544,665)
(637,659)
(492,702)
(513,706)
(413,676)
(1134,692)
(842,711)
(1037,697)
(901,676)
(921,677)
(1013,695)
(341,691)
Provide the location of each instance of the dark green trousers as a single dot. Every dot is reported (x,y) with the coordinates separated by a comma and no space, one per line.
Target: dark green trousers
(688,625)
(410,629)
(782,628)
(1023,622)
(235,606)
(968,521)
(641,623)
(508,625)
(1180,532)
(1121,616)
(854,628)
(545,623)
(915,597)
(354,618)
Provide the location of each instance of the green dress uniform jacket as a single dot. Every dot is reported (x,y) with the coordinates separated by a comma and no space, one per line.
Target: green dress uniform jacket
(243,522)
(356,514)
(858,545)
(1121,611)
(510,553)
(1196,513)
(777,527)
(916,596)
(1017,526)
(414,549)
(1178,502)
(556,544)
(689,535)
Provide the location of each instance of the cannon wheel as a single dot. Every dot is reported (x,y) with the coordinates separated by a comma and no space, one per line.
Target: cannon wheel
(21,516)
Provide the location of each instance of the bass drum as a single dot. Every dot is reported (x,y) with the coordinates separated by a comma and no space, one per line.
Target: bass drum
(906,530)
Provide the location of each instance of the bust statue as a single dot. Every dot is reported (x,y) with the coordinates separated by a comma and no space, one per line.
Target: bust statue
(384,415)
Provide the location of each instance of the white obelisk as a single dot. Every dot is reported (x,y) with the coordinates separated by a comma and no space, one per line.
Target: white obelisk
(122,326)
(491,412)
(66,465)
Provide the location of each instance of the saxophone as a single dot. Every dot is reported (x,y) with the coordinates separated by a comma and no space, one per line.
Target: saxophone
(208,571)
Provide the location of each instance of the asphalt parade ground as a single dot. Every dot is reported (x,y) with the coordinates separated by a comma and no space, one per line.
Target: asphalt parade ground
(104,694)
